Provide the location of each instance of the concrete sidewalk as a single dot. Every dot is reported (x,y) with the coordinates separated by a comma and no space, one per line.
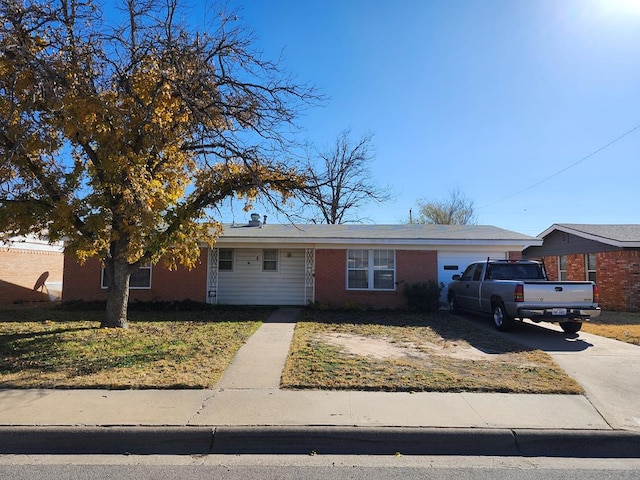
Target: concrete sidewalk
(248,404)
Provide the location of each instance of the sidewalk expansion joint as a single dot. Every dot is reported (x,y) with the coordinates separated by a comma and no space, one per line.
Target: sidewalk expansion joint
(595,407)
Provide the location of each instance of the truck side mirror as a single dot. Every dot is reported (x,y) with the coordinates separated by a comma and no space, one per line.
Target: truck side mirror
(456,277)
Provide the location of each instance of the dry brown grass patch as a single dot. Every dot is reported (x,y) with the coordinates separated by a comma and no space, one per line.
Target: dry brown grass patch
(623,326)
(395,351)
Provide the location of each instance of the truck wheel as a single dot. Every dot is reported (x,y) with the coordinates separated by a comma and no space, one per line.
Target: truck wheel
(571,327)
(453,304)
(501,320)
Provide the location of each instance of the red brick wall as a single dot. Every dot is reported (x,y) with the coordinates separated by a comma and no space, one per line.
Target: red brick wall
(617,276)
(576,269)
(331,278)
(551,266)
(22,270)
(515,255)
(82,282)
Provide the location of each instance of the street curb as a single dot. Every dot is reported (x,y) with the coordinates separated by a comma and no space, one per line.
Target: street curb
(105,440)
(321,440)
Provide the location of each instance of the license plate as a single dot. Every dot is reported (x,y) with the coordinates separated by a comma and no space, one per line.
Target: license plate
(559,311)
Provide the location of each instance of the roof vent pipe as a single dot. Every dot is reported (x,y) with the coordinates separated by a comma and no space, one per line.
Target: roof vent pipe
(255,220)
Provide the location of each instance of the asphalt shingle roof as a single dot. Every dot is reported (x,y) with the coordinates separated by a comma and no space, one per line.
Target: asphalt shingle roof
(406,234)
(618,235)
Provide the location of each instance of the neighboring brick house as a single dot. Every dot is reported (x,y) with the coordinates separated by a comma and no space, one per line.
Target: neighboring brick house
(606,254)
(30,270)
(366,265)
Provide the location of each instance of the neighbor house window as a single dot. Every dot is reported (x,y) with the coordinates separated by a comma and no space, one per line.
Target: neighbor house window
(371,269)
(590,261)
(140,279)
(270,260)
(562,267)
(225,259)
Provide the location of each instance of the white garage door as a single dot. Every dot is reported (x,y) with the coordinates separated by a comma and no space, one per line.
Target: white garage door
(451,263)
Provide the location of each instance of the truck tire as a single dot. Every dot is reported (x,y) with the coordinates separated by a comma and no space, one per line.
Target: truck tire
(501,320)
(571,327)
(453,304)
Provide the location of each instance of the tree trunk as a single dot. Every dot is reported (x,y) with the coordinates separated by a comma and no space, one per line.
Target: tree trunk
(119,274)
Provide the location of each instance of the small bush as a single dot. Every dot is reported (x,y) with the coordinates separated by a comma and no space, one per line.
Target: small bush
(423,296)
(319,306)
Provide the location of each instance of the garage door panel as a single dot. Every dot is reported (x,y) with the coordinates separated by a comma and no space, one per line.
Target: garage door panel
(454,263)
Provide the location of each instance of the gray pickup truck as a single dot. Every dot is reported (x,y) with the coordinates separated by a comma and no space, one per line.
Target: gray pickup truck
(511,290)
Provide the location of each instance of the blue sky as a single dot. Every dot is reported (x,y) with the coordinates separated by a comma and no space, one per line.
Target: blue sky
(504,100)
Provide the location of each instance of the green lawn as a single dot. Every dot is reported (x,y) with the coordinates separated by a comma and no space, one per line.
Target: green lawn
(44,347)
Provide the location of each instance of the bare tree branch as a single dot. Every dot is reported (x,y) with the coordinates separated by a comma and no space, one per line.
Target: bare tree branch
(456,210)
(340,182)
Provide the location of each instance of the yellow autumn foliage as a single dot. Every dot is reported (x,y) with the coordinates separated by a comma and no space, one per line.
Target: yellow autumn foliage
(128,188)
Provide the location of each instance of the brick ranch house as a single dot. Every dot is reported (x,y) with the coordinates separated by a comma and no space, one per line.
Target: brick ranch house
(606,254)
(257,264)
(30,270)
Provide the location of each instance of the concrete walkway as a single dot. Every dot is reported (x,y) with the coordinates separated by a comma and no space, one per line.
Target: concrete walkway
(259,362)
(248,400)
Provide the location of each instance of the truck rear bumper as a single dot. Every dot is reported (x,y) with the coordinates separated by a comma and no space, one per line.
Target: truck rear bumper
(559,314)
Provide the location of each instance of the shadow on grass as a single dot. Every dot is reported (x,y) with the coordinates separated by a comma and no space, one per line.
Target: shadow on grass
(44,352)
(7,340)
(80,311)
(36,350)
(53,348)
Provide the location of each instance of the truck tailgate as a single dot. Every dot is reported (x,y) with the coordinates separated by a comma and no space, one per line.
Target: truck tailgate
(558,294)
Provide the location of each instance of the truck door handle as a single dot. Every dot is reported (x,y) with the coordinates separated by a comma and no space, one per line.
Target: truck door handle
(558,289)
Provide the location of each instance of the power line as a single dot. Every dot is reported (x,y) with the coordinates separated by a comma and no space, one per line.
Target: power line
(595,152)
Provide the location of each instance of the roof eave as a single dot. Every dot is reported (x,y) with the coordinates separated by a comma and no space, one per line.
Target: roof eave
(381,241)
(589,236)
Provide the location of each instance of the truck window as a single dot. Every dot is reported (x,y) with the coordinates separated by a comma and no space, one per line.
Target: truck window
(496,272)
(468,273)
(530,271)
(477,273)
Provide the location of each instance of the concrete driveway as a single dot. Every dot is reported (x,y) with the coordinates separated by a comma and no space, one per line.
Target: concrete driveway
(608,370)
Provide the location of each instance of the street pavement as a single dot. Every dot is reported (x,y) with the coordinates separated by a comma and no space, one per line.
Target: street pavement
(248,413)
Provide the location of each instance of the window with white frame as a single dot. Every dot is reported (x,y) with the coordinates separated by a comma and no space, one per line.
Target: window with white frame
(140,279)
(562,267)
(270,260)
(371,269)
(590,262)
(225,259)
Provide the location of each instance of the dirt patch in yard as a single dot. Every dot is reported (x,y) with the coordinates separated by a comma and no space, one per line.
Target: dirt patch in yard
(381,348)
(413,352)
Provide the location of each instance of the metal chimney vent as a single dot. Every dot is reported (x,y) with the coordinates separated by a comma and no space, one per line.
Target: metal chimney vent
(255,220)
